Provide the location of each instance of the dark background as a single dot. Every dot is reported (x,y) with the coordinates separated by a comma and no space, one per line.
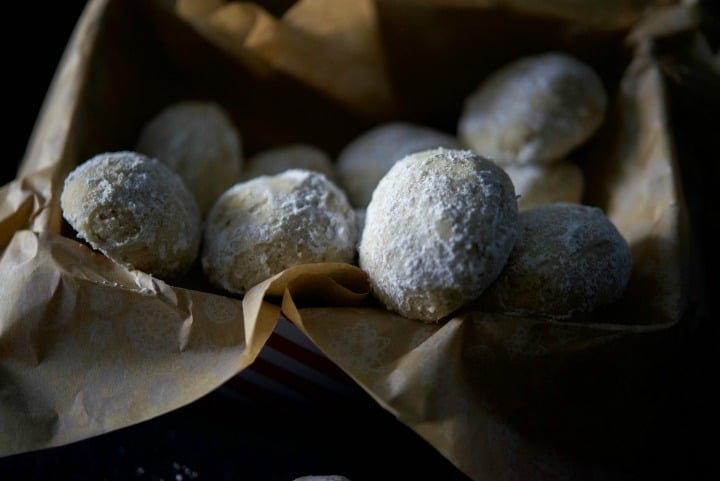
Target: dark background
(33,40)
(212,439)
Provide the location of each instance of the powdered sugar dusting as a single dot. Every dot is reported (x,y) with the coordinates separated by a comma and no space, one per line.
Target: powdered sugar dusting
(365,160)
(134,210)
(264,225)
(438,230)
(533,110)
(570,258)
(197,140)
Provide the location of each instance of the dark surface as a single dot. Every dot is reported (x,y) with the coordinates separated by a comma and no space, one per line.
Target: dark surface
(219,438)
(216,438)
(31,52)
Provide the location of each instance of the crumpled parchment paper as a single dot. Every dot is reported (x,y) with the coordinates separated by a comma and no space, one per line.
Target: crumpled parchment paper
(82,337)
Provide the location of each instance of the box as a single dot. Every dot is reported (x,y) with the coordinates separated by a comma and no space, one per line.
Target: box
(498,396)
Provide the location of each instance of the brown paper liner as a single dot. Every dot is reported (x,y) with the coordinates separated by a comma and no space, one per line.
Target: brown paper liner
(500,397)
(88,346)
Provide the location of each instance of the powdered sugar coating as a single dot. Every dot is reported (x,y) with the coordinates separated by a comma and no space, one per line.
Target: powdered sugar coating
(198,140)
(285,157)
(570,258)
(262,226)
(536,185)
(438,230)
(135,210)
(533,110)
(367,158)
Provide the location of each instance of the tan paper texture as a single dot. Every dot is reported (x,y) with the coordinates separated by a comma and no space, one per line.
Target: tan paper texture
(350,71)
(498,396)
(88,347)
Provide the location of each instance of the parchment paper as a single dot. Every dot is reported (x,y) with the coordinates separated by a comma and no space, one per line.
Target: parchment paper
(500,397)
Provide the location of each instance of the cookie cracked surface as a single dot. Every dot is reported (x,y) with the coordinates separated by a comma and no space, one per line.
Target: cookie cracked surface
(262,226)
(135,210)
(438,230)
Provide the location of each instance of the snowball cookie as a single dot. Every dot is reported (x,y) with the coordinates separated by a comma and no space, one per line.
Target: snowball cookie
(293,156)
(363,162)
(537,185)
(438,230)
(569,259)
(198,140)
(534,110)
(262,226)
(135,210)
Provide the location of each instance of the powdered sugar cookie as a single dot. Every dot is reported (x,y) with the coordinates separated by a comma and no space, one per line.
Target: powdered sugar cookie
(569,259)
(533,110)
(260,227)
(365,160)
(536,185)
(135,210)
(438,230)
(198,140)
(285,157)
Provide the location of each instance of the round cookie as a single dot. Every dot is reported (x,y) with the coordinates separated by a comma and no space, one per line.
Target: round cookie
(438,230)
(198,140)
(536,185)
(533,110)
(569,259)
(285,157)
(367,158)
(135,210)
(262,226)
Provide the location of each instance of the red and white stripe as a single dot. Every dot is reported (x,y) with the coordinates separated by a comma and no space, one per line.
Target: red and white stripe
(291,368)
